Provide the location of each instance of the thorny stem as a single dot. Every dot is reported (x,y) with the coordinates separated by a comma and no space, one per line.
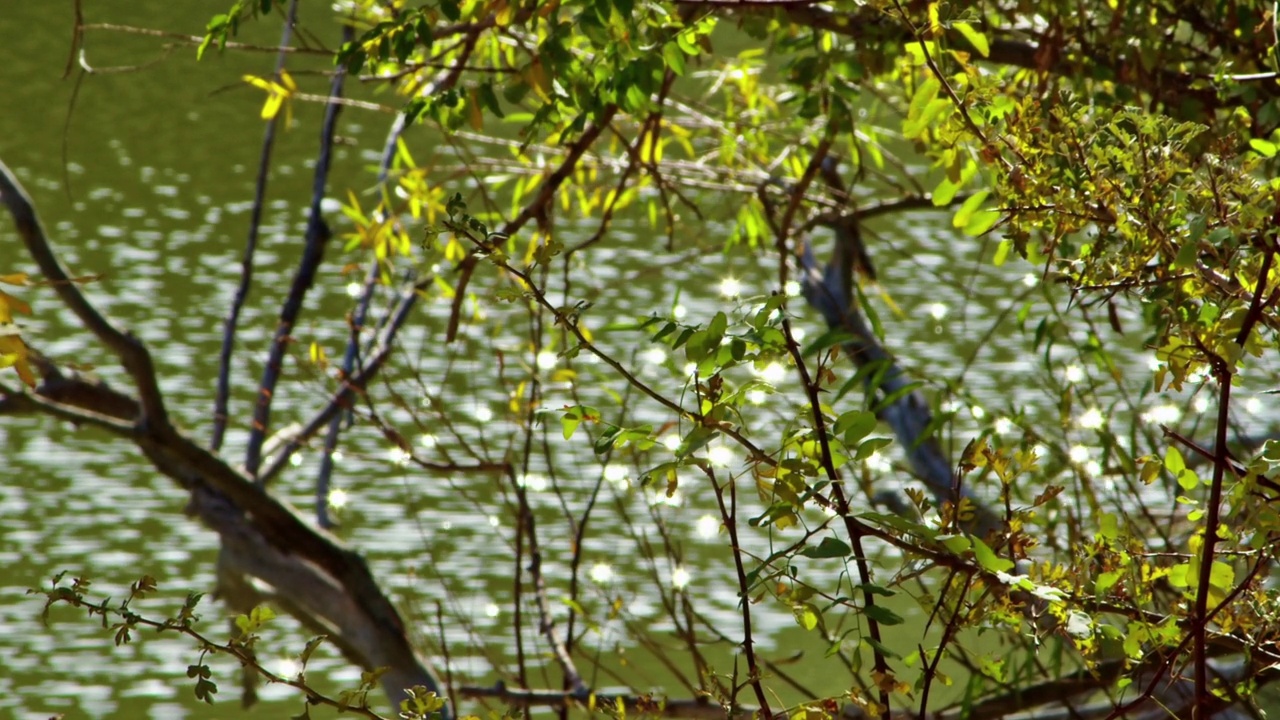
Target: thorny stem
(244,655)
(1222,372)
(729,515)
(854,529)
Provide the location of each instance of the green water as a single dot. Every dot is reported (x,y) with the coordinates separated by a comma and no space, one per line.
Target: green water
(158,178)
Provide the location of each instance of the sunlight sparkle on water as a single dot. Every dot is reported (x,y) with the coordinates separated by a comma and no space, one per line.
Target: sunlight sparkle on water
(671,442)
(427,440)
(296,459)
(708,526)
(534,482)
(398,456)
(484,414)
(492,610)
(355,289)
(616,474)
(879,462)
(654,355)
(1004,425)
(679,311)
(1201,403)
(660,497)
(1030,280)
(338,498)
(494,521)
(773,373)
(756,397)
(938,311)
(1092,419)
(679,578)
(1079,453)
(792,288)
(336,456)
(547,360)
(720,456)
(601,572)
(1163,414)
(690,369)
(730,287)
(1252,405)
(1093,468)
(288,667)
(1073,373)
(977,412)
(1153,363)
(798,333)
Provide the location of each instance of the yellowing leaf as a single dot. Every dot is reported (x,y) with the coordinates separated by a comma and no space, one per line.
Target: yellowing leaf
(15,279)
(935,22)
(475,116)
(14,354)
(8,304)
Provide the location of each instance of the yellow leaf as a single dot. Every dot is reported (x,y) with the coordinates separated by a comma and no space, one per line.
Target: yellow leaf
(272,106)
(258,82)
(13,353)
(536,76)
(15,279)
(935,23)
(8,304)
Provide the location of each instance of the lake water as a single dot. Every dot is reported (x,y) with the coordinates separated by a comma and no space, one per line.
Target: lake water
(155,196)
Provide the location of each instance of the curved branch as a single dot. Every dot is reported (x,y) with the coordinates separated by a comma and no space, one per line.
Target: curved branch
(223,392)
(317,237)
(133,354)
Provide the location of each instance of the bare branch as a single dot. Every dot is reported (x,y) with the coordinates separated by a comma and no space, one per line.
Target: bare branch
(133,354)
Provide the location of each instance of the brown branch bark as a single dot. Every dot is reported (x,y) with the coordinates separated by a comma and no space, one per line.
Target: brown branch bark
(308,569)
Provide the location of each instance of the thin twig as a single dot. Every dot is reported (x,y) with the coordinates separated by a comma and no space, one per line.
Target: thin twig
(730,516)
(222,395)
(317,236)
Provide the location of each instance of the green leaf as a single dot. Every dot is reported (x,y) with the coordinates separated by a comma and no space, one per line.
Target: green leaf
(1002,253)
(828,548)
(830,338)
(1106,581)
(870,446)
(944,193)
(1222,576)
(674,58)
(981,222)
(955,543)
(988,560)
(855,425)
(574,416)
(806,615)
(875,590)
(926,93)
(880,647)
(883,615)
(1262,147)
(968,208)
(975,38)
